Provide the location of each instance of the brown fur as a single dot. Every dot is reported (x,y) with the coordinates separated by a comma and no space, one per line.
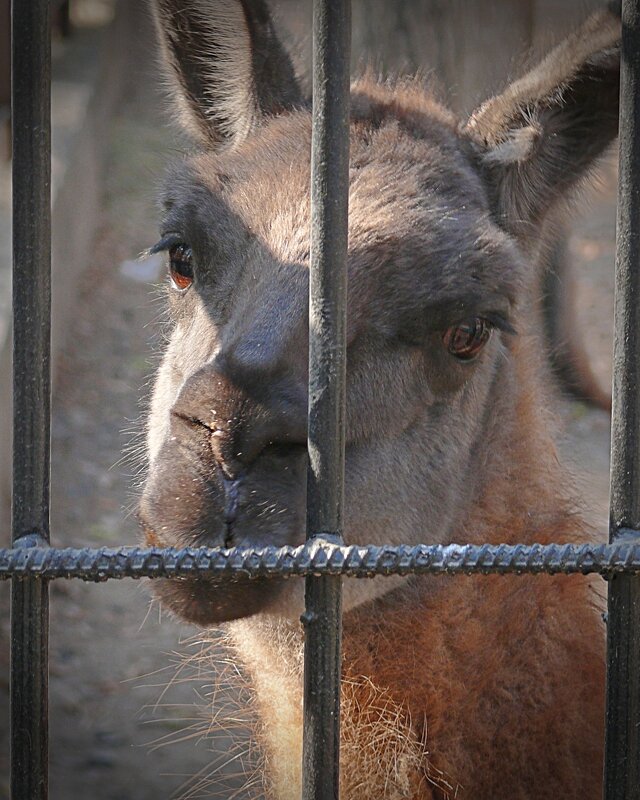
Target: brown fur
(481,687)
(474,718)
(462,687)
(477,662)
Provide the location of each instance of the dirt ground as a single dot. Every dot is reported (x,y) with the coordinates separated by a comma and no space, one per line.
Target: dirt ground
(112,657)
(116,734)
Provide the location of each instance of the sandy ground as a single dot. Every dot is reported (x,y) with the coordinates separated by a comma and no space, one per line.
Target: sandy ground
(111,655)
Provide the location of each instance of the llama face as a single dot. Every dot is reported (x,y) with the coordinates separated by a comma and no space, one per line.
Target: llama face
(441,221)
(429,272)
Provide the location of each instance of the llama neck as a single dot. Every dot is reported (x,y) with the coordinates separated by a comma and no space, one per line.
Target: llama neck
(396,688)
(410,665)
(271,651)
(381,755)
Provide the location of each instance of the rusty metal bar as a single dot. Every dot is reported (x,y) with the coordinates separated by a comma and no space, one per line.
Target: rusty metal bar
(622,751)
(327,381)
(31,121)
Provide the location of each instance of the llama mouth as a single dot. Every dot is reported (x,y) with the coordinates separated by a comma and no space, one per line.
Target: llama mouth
(187,501)
(208,600)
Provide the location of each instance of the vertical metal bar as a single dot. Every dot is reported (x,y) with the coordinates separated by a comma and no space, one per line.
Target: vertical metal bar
(31,120)
(622,751)
(327,380)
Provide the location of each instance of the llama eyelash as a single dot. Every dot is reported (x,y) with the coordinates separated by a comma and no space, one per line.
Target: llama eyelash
(168,241)
(502,324)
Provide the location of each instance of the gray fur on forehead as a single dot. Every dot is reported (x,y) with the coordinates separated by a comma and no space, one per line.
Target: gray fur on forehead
(421,233)
(403,166)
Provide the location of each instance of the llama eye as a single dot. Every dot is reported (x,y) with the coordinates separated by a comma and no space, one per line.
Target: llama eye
(180,267)
(465,341)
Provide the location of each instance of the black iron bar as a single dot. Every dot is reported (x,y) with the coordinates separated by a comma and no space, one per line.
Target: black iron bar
(622,751)
(318,557)
(327,379)
(31,115)
(31,120)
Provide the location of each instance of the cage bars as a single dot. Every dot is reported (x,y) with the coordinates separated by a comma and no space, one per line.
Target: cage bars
(622,759)
(322,557)
(31,122)
(323,560)
(322,617)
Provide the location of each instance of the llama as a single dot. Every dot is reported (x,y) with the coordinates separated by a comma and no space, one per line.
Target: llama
(480,687)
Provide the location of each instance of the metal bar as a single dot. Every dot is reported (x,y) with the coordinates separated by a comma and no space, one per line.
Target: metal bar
(320,558)
(327,380)
(622,750)
(31,263)
(31,120)
(29,689)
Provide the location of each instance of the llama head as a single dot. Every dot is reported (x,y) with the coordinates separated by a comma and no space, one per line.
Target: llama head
(443,219)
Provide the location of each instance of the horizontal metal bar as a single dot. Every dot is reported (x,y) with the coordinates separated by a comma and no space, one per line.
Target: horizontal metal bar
(320,558)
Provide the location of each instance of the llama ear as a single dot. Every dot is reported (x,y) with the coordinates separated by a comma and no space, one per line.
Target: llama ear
(541,135)
(225,65)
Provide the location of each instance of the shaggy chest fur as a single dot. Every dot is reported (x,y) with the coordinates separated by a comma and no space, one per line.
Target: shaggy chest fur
(381,755)
(457,688)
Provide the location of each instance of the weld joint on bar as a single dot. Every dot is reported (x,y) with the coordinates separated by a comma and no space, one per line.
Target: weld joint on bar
(30,540)
(324,537)
(625,536)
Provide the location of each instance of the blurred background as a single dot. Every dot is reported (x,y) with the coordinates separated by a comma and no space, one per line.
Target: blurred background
(143,707)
